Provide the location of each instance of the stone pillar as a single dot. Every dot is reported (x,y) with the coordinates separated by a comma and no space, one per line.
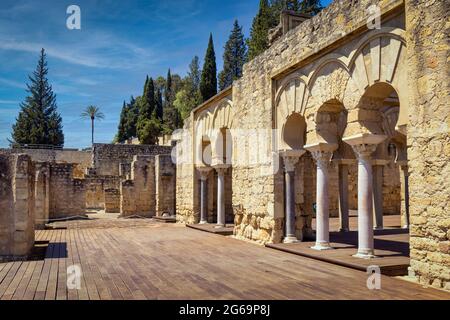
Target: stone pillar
(405,196)
(343,198)
(364,145)
(378,196)
(204,172)
(322,153)
(220,195)
(289,175)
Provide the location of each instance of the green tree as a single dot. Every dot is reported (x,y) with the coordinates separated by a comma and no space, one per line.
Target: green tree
(195,73)
(262,23)
(208,83)
(159,105)
(121,130)
(92,112)
(148,103)
(234,57)
(311,7)
(149,131)
(38,121)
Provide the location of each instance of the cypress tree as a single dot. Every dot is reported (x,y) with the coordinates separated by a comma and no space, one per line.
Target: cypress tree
(121,133)
(258,41)
(148,99)
(208,83)
(234,57)
(159,105)
(38,121)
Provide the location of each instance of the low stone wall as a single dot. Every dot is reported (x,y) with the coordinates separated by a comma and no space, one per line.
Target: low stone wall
(67,195)
(42,194)
(82,160)
(112,200)
(17,205)
(165,180)
(137,195)
(95,190)
(107,158)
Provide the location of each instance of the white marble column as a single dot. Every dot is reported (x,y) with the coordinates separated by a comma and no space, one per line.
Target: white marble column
(322,153)
(364,145)
(289,174)
(378,196)
(204,172)
(343,198)
(221,169)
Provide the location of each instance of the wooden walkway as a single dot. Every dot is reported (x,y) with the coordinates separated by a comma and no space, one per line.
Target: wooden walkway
(161,261)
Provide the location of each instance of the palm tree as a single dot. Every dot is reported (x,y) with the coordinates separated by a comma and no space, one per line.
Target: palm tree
(92,112)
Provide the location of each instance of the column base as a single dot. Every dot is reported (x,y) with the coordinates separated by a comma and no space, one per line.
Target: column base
(203,222)
(291,240)
(378,228)
(322,246)
(365,255)
(218,226)
(405,227)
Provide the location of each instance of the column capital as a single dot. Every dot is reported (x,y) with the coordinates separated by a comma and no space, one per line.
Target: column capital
(204,171)
(221,168)
(364,144)
(322,152)
(291,158)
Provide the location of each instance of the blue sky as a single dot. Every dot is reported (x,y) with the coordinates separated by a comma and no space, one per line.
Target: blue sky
(105,62)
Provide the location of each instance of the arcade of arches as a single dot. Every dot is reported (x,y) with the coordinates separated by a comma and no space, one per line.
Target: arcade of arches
(322,124)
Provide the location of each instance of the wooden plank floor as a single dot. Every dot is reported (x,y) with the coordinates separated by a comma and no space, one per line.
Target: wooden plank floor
(163,261)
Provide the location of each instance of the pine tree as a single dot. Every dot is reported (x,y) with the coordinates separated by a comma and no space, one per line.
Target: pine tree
(234,57)
(208,83)
(38,121)
(262,23)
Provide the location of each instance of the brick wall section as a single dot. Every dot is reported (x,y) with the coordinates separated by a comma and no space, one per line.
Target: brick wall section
(165,180)
(67,195)
(95,189)
(16,205)
(429,140)
(108,157)
(137,196)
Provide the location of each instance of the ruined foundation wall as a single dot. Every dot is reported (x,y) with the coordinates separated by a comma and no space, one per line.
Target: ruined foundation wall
(42,194)
(95,189)
(112,200)
(16,205)
(67,195)
(107,158)
(82,160)
(137,196)
(429,140)
(165,180)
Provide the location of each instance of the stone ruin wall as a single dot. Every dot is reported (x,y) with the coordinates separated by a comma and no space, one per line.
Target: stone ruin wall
(137,195)
(17,178)
(112,200)
(165,181)
(67,194)
(429,140)
(82,160)
(107,158)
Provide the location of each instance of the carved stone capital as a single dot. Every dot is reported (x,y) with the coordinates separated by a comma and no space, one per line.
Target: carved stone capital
(322,157)
(221,169)
(364,151)
(290,162)
(204,172)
